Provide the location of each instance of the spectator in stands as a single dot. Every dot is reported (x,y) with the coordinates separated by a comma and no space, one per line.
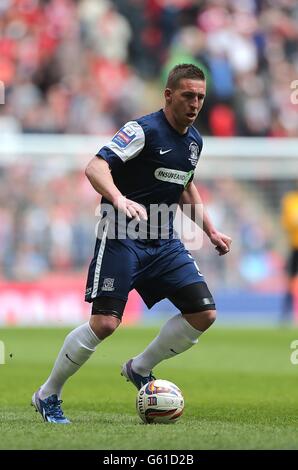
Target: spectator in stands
(290,224)
(84,66)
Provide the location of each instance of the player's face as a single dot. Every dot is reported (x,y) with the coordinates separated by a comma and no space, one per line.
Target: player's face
(186,101)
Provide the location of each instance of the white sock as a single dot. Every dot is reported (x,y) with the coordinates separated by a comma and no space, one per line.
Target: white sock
(175,337)
(77,348)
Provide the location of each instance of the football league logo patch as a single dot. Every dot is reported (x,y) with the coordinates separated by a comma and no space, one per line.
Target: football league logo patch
(194,153)
(124,137)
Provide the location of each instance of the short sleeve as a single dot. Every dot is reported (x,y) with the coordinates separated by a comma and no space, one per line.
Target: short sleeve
(126,144)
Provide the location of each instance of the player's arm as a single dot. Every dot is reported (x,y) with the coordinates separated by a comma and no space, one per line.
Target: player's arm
(192,198)
(99,175)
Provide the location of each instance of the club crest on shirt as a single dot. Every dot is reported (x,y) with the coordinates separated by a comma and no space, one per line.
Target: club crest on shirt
(194,153)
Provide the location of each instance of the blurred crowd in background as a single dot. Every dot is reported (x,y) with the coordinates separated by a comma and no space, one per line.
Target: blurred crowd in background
(48,224)
(86,66)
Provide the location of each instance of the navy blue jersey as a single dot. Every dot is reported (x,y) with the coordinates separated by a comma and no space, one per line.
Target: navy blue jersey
(150,162)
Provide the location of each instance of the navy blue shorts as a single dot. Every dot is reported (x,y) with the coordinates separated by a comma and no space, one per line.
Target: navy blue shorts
(156,269)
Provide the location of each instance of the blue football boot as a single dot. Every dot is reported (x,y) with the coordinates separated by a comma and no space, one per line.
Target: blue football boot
(133,377)
(49,408)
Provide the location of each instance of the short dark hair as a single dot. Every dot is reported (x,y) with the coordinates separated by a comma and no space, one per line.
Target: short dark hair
(184,71)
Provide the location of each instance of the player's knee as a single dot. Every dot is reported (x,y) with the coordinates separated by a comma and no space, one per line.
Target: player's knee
(201,320)
(209,316)
(104,325)
(205,319)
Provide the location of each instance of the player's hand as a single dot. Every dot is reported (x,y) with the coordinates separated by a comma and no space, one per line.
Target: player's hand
(222,242)
(130,208)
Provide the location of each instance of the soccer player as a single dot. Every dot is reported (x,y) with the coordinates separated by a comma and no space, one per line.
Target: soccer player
(149,163)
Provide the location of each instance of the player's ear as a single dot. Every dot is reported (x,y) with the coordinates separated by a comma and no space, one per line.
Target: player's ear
(168,95)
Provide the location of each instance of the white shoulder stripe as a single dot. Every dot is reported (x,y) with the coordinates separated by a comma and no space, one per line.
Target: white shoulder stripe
(128,142)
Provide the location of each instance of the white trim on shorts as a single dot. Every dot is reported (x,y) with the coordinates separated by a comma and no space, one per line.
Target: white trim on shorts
(99,261)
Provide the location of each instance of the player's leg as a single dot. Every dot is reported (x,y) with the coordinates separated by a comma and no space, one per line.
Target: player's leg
(174,275)
(110,265)
(77,348)
(182,331)
(288,300)
(81,343)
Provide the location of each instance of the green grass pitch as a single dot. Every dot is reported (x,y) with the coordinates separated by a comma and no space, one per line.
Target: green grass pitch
(239,385)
